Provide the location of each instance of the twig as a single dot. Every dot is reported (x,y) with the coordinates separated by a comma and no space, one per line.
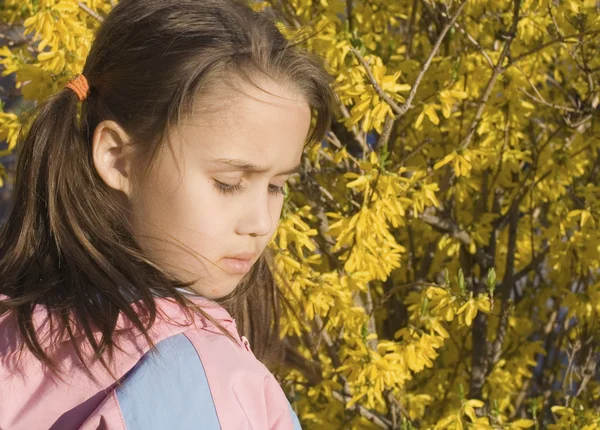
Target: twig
(358,136)
(411,28)
(540,98)
(90,12)
(367,305)
(544,102)
(395,107)
(520,398)
(506,287)
(386,132)
(477,45)
(334,140)
(397,288)
(520,195)
(366,413)
(416,149)
(349,15)
(460,360)
(479,352)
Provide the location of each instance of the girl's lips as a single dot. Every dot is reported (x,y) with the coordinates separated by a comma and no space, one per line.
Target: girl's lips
(238,265)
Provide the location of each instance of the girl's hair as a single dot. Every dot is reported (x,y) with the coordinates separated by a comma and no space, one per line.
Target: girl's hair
(67,243)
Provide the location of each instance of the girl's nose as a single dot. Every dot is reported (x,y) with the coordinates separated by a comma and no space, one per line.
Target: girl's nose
(256,218)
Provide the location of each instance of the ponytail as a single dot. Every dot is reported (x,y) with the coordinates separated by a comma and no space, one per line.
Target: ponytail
(66,243)
(51,132)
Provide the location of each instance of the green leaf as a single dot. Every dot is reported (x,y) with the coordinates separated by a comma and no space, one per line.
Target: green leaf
(462,287)
(491,281)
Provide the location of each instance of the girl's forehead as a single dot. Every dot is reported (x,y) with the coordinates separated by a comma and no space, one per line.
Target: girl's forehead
(246,97)
(252,125)
(232,109)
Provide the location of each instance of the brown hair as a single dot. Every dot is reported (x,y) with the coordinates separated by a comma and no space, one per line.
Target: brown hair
(67,244)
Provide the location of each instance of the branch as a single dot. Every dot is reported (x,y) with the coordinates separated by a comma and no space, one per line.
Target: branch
(332,138)
(401,110)
(345,396)
(548,374)
(520,195)
(492,81)
(367,305)
(446,226)
(496,349)
(506,287)
(532,265)
(413,91)
(417,149)
(90,12)
(479,355)
(509,282)
(393,405)
(552,42)
(450,227)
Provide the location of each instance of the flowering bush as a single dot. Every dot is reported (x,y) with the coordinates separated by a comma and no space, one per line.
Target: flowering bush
(442,244)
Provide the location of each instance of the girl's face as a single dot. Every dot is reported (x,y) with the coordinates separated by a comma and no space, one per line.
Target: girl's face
(210,206)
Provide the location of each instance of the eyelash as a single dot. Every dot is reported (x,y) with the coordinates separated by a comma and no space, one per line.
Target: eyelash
(233,189)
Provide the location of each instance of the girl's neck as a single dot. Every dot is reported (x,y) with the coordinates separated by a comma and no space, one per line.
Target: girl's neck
(194,294)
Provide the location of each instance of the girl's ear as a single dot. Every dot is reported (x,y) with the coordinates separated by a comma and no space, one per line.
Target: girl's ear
(113,156)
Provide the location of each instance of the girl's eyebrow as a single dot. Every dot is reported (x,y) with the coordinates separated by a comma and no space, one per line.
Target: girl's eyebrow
(249,167)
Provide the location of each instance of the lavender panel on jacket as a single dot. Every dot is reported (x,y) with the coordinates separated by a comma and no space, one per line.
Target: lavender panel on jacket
(168,388)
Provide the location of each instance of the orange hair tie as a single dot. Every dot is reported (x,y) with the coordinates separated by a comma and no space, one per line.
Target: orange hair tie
(80,86)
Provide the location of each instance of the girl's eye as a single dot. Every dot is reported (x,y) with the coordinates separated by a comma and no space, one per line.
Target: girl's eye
(227,188)
(232,189)
(274,189)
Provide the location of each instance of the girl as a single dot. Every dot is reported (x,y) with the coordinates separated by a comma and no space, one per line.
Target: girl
(140,222)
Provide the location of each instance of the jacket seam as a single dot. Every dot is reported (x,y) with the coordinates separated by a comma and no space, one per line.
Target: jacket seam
(120,412)
(217,409)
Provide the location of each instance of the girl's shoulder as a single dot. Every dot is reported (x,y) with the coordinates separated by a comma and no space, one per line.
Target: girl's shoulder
(171,319)
(199,378)
(193,380)
(194,373)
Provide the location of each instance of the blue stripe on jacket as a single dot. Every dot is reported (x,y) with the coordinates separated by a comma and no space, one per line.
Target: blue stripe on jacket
(170,390)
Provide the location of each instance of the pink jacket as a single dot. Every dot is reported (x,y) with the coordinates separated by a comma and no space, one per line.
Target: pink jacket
(197,378)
